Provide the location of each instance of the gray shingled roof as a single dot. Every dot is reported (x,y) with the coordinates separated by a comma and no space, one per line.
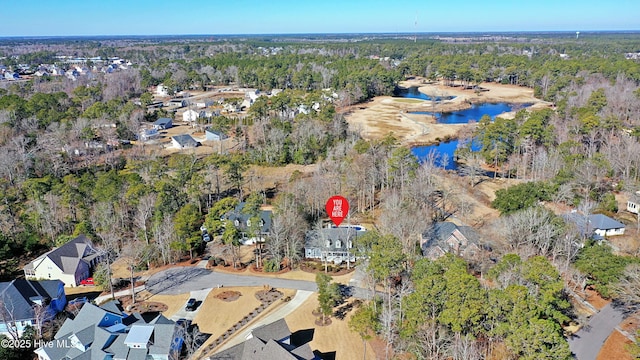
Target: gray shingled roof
(588,224)
(277,330)
(88,317)
(441,231)
(272,350)
(162,121)
(320,238)
(238,214)
(18,295)
(304,352)
(118,348)
(219,134)
(603,222)
(103,342)
(264,345)
(67,256)
(185,140)
(137,354)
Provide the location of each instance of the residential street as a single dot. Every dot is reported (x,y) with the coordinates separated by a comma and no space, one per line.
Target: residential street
(186,279)
(587,342)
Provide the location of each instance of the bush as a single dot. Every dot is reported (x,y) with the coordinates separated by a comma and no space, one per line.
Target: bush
(603,267)
(271,265)
(521,196)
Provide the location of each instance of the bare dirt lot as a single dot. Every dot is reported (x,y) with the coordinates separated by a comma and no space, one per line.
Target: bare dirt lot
(386,114)
(615,348)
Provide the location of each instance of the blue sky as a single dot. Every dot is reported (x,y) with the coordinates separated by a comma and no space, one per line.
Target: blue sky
(161,17)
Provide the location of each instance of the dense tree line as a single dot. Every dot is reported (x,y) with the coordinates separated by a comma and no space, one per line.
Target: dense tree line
(146,209)
(440,310)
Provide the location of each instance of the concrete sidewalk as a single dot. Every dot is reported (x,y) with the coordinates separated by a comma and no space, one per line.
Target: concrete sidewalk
(102,298)
(300,297)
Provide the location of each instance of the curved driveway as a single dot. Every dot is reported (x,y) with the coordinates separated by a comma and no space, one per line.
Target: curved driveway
(182,280)
(587,342)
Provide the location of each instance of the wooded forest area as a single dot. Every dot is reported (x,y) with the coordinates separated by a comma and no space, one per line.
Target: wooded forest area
(508,301)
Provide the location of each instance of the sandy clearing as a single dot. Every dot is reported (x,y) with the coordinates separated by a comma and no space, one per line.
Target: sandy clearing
(384,114)
(615,347)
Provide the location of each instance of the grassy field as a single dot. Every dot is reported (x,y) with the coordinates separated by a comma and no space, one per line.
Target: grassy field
(173,302)
(335,337)
(216,316)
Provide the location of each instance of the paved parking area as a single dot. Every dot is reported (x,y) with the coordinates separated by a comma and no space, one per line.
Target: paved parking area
(200,296)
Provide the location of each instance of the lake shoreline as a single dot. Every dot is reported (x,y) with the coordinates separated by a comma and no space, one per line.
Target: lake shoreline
(382,115)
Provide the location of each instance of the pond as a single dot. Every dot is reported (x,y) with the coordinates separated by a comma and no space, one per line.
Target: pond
(443,153)
(475,112)
(446,150)
(414,93)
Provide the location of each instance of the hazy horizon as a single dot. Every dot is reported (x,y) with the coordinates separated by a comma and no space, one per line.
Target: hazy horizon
(77,18)
(409,34)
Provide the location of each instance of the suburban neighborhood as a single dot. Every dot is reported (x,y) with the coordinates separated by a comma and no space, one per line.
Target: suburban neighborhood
(318,196)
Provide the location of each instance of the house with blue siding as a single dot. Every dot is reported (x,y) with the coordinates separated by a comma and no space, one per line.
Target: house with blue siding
(214,135)
(107,332)
(26,303)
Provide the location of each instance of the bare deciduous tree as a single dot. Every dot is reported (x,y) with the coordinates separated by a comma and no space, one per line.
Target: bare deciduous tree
(164,234)
(7,311)
(627,289)
(133,253)
(531,231)
(144,210)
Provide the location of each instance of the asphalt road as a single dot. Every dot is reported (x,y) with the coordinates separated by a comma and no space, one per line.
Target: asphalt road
(182,280)
(587,342)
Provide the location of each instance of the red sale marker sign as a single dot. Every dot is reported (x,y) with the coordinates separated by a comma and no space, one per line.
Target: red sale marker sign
(337,208)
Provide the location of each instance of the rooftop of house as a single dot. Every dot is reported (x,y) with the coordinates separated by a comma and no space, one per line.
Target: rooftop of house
(19,296)
(216,132)
(162,121)
(106,331)
(441,231)
(67,256)
(185,140)
(330,238)
(266,344)
(238,214)
(593,222)
(277,330)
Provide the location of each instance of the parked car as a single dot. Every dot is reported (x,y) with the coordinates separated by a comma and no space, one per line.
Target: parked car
(206,237)
(191,305)
(87,281)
